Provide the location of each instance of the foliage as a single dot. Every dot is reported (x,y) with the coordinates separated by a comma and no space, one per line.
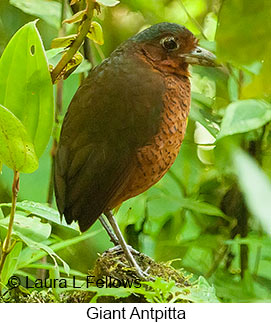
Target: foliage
(211,210)
(26,88)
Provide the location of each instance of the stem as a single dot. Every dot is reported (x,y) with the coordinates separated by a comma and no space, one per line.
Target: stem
(77,42)
(6,247)
(62,27)
(59,103)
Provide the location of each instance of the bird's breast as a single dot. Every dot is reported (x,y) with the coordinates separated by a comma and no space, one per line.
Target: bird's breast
(157,156)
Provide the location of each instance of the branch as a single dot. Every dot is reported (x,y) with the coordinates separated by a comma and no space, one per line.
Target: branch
(91,4)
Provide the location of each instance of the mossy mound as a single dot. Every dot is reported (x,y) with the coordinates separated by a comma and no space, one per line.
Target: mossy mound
(113,263)
(169,284)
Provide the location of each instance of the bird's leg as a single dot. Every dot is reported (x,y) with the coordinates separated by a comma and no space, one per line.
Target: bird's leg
(114,238)
(125,247)
(111,234)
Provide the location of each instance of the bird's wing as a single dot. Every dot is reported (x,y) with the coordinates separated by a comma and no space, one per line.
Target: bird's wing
(114,112)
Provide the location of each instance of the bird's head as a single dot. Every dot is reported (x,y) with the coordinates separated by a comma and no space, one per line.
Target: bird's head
(171,47)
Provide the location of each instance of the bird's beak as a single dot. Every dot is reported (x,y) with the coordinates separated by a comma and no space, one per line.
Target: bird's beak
(200,56)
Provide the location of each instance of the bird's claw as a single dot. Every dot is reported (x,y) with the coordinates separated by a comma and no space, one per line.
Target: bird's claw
(140,273)
(144,275)
(118,249)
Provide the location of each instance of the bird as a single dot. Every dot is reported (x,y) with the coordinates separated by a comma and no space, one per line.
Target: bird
(124,126)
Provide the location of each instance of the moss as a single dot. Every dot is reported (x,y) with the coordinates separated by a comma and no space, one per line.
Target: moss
(111,263)
(114,264)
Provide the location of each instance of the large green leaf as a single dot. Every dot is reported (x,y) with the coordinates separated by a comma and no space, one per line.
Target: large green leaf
(243,116)
(42,211)
(25,85)
(28,226)
(53,248)
(201,207)
(49,11)
(256,187)
(16,149)
(46,250)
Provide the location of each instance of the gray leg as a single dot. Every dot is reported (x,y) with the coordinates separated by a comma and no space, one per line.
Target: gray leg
(111,234)
(114,239)
(124,246)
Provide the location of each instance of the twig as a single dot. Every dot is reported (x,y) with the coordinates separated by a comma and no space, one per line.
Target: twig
(7,247)
(194,21)
(99,50)
(59,100)
(217,260)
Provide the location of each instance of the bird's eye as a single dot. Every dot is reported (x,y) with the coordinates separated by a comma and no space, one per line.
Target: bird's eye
(169,43)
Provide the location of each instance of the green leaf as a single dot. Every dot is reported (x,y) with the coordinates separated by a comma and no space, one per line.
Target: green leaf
(28,226)
(49,11)
(25,85)
(43,211)
(48,266)
(11,263)
(202,292)
(161,291)
(210,25)
(78,16)
(204,117)
(48,250)
(54,55)
(53,275)
(108,3)
(96,33)
(85,66)
(54,247)
(63,41)
(120,292)
(201,207)
(73,2)
(243,116)
(16,149)
(256,187)
(73,64)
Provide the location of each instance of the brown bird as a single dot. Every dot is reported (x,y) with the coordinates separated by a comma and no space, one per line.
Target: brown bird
(125,125)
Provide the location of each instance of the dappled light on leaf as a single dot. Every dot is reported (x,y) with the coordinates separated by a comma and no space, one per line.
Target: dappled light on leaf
(16,149)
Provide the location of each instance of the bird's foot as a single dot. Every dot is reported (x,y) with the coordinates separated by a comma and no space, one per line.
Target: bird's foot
(144,274)
(118,249)
(139,272)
